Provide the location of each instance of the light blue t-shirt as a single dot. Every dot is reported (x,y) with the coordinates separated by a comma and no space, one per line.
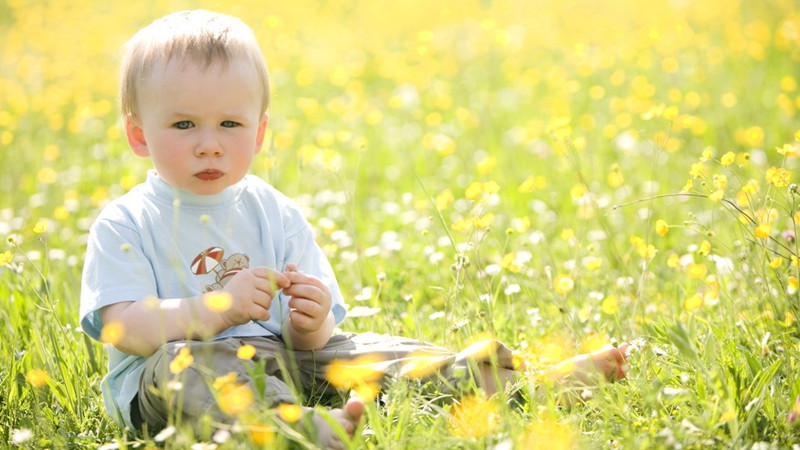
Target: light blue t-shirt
(156,241)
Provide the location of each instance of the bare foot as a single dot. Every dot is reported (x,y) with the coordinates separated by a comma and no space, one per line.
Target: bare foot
(588,369)
(348,417)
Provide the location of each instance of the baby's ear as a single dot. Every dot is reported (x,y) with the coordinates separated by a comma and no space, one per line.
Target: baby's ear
(136,138)
(262,131)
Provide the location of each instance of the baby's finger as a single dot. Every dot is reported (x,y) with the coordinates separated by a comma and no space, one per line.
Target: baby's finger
(301,321)
(262,298)
(305,291)
(258,312)
(302,278)
(276,280)
(306,307)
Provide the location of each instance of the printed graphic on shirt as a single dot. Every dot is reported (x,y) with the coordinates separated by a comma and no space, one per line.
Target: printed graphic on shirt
(211,260)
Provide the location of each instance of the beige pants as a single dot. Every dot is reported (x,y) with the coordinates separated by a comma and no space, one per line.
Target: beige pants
(189,395)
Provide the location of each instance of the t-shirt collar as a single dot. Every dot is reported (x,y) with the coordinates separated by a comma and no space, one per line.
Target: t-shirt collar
(169,193)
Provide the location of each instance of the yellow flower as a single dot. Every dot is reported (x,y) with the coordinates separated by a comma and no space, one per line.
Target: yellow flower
(484,221)
(40,227)
(776,262)
(112,332)
(716,196)
(181,361)
(549,434)
(235,398)
(763,230)
(289,413)
(720,181)
(688,186)
(480,347)
(578,191)
(742,199)
(474,417)
(696,271)
(567,234)
(461,225)
(697,170)
(491,187)
(224,380)
(789,150)
(646,251)
(592,263)
(707,154)
(246,352)
(421,363)
(662,227)
(347,374)
(778,176)
(61,213)
(486,165)
(367,391)
(728,159)
(615,177)
(751,187)
(727,416)
(37,377)
(705,248)
(444,199)
(521,224)
(509,262)
(563,284)
(262,435)
(610,305)
(532,183)
(218,301)
(793,284)
(693,303)
(5,258)
(474,191)
(673,261)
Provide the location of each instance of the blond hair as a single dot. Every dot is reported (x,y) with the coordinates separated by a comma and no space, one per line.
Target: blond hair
(198,36)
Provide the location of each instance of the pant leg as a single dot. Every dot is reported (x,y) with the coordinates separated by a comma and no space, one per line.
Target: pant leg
(190,394)
(397,356)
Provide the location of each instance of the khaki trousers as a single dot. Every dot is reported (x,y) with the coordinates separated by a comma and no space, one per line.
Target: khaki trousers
(288,374)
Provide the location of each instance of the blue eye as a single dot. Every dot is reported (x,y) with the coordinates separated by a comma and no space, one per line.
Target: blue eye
(228,124)
(183,125)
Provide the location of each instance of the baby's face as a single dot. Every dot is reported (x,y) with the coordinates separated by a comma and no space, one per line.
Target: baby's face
(201,126)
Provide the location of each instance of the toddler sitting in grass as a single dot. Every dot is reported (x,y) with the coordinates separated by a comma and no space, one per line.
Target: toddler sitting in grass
(203,263)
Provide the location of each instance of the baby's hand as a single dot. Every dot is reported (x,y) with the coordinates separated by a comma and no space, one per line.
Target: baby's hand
(310,300)
(252,291)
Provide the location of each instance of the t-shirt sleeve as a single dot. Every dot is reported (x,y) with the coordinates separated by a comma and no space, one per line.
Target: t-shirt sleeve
(303,251)
(115,270)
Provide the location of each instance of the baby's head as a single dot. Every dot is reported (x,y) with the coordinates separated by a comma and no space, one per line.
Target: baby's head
(189,37)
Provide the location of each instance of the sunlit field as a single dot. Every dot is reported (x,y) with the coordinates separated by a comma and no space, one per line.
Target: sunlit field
(559,175)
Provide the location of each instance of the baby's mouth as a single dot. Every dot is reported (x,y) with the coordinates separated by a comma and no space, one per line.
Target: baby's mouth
(209,174)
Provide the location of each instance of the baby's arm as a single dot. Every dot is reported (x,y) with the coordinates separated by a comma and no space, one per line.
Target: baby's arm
(149,323)
(310,322)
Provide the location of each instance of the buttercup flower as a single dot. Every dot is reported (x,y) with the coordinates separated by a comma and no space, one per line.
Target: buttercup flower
(181,361)
(37,377)
(563,284)
(246,351)
(662,227)
(474,417)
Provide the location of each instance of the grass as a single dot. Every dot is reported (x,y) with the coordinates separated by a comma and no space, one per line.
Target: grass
(513,168)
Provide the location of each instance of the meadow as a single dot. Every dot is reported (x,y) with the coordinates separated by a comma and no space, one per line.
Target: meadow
(559,175)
